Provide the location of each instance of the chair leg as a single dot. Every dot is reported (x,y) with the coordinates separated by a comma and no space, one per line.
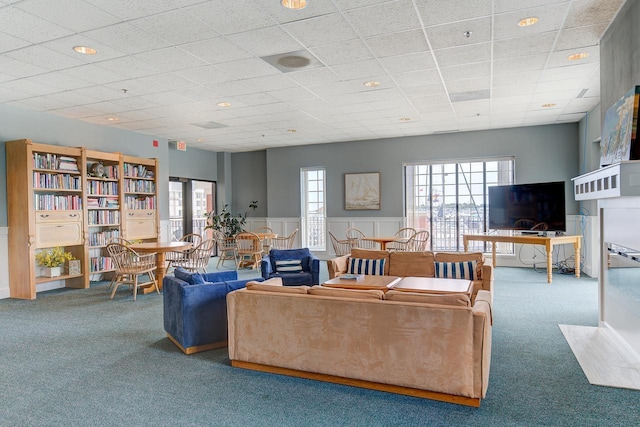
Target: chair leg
(115,288)
(135,286)
(152,277)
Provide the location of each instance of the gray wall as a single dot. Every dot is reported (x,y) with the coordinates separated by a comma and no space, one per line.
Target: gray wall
(250,179)
(542,153)
(589,132)
(193,163)
(620,56)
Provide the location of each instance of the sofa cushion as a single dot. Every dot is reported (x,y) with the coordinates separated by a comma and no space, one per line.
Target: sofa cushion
(289,266)
(274,281)
(372,267)
(411,264)
(346,293)
(478,257)
(189,277)
(457,270)
(281,289)
(456,299)
(372,254)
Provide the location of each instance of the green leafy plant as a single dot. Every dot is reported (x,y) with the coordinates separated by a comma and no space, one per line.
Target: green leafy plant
(228,223)
(53,257)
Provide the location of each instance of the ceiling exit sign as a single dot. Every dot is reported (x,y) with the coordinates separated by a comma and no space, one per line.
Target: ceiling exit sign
(181,145)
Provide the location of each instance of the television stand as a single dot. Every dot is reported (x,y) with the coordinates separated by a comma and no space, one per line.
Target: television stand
(547,242)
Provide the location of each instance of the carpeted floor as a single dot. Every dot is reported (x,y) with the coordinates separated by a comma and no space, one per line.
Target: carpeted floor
(75,357)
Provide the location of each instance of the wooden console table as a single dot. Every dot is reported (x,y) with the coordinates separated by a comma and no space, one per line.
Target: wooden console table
(547,242)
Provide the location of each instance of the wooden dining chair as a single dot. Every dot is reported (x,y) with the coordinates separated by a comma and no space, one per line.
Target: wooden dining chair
(356,237)
(226,248)
(285,242)
(197,259)
(177,256)
(403,235)
(249,249)
(419,242)
(130,266)
(340,247)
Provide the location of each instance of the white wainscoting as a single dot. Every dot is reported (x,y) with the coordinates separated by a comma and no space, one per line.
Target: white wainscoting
(4,262)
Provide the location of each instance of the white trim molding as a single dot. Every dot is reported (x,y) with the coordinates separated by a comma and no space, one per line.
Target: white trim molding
(4,262)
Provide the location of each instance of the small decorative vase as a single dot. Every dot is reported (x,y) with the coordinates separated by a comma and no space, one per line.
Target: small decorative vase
(74,266)
(52,271)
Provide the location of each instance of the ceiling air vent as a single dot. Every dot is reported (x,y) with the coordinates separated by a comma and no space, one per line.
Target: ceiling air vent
(293,61)
(209,125)
(472,95)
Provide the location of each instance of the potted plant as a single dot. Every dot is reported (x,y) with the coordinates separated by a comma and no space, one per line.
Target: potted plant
(228,223)
(53,259)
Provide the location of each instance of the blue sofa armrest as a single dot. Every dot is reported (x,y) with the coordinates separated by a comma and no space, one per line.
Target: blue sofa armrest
(266,268)
(314,266)
(195,316)
(221,276)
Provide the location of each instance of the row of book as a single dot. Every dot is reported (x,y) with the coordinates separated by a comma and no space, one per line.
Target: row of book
(100,238)
(102,187)
(103,217)
(135,186)
(102,263)
(137,171)
(52,202)
(133,202)
(55,161)
(102,202)
(57,181)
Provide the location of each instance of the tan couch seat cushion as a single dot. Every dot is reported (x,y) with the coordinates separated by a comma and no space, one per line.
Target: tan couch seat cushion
(372,254)
(461,300)
(346,293)
(411,264)
(260,286)
(274,281)
(478,257)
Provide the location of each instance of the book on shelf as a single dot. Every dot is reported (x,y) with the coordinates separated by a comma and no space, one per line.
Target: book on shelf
(356,277)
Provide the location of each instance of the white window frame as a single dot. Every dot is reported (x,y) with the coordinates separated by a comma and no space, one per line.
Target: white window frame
(313,223)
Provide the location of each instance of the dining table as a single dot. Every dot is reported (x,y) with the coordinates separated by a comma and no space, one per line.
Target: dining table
(382,240)
(161,249)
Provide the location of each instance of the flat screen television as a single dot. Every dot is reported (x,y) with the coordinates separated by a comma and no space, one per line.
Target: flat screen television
(533,207)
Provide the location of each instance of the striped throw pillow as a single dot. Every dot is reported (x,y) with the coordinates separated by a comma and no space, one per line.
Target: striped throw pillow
(289,266)
(457,270)
(372,267)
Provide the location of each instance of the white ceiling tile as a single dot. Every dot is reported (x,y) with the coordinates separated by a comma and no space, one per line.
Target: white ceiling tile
(457,86)
(247,68)
(571,38)
(169,59)
(314,76)
(550,19)
(65,47)
(127,9)
(417,78)
(436,12)
(521,78)
(266,41)
(292,94)
(408,62)
(427,90)
(283,15)
(467,71)
(321,30)
(520,63)
(398,43)
(39,103)
(232,16)
(129,67)
(392,17)
(591,12)
(502,6)
(509,89)
(560,58)
(17,68)
(569,72)
(76,15)
(463,54)
(9,43)
(524,46)
(360,69)
(29,27)
(42,57)
(207,75)
(93,73)
(271,82)
(451,35)
(126,38)
(178,26)
(60,81)
(217,50)
(340,53)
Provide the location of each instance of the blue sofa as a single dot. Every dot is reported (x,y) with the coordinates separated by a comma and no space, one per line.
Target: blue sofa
(195,308)
(310,274)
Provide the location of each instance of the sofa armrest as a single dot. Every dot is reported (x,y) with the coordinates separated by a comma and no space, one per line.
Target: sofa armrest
(220,276)
(314,266)
(484,303)
(337,266)
(265,267)
(487,278)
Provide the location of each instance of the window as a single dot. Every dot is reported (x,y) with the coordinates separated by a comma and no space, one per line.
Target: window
(450,199)
(313,208)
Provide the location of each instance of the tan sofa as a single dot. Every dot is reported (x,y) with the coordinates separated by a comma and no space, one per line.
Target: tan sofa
(417,264)
(396,342)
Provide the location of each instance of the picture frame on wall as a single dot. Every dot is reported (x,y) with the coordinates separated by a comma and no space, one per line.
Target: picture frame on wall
(362,191)
(619,130)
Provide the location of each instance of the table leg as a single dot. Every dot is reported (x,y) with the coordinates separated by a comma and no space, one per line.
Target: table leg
(549,248)
(576,247)
(493,254)
(160,273)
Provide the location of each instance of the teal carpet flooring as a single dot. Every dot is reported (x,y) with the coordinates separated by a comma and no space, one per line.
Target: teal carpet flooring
(77,358)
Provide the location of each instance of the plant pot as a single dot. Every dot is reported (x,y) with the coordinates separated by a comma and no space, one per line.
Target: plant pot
(74,267)
(52,271)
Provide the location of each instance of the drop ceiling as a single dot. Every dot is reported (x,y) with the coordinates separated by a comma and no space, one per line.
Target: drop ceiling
(163,66)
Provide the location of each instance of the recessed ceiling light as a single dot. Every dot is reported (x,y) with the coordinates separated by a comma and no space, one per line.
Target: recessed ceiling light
(405,119)
(223,104)
(294,4)
(577,56)
(85,50)
(112,119)
(372,83)
(292,130)
(467,34)
(532,20)
(549,105)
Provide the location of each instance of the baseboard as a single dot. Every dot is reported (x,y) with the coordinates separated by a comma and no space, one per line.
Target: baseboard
(389,388)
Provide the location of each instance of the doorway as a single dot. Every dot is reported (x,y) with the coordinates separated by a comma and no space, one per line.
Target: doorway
(189,202)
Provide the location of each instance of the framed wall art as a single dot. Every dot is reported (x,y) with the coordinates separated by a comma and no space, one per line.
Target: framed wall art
(362,191)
